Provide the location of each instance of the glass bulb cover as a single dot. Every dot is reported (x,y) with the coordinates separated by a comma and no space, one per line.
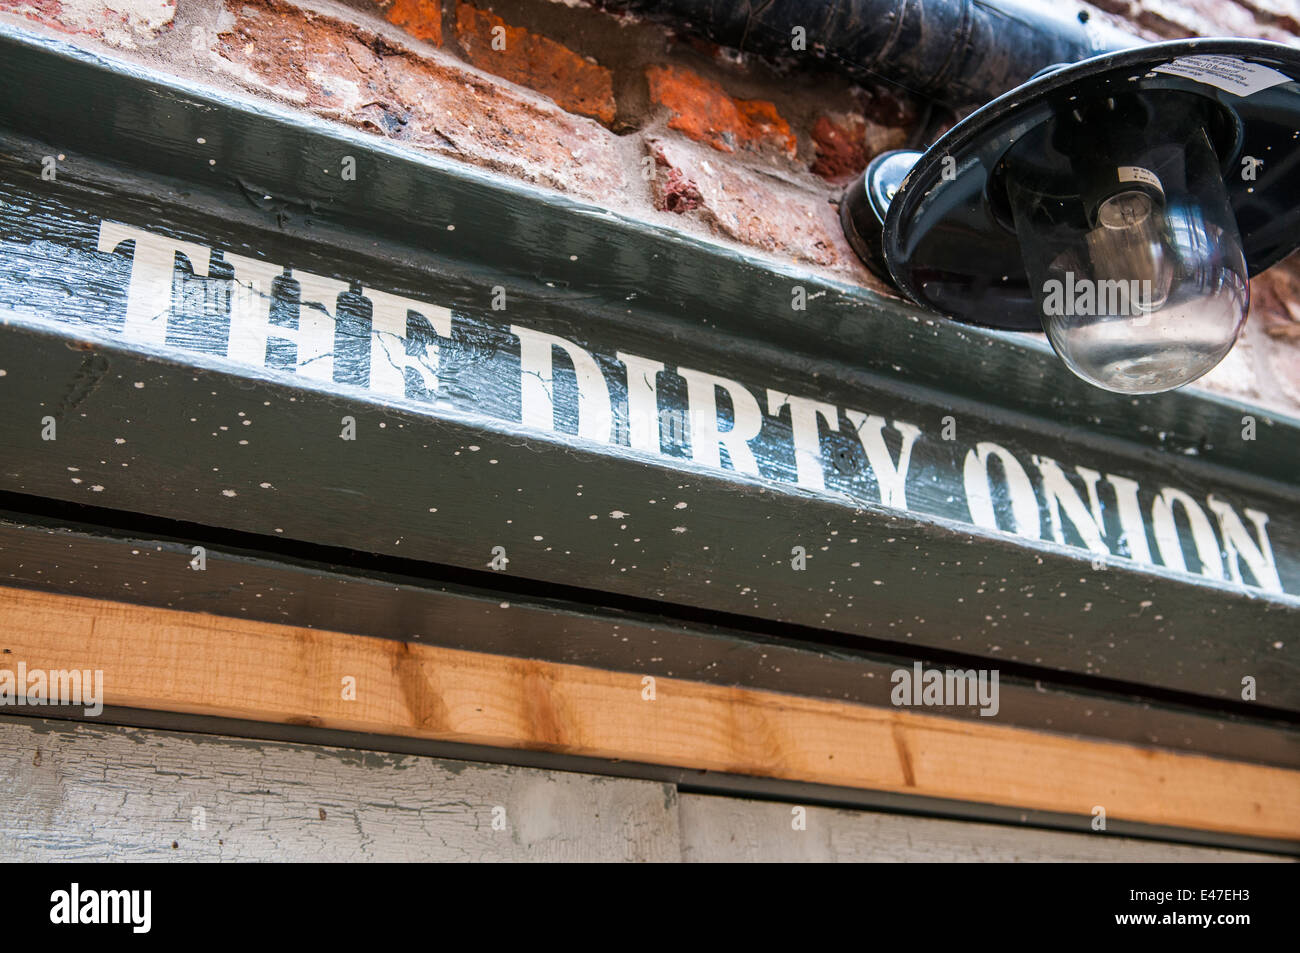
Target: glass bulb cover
(1134,261)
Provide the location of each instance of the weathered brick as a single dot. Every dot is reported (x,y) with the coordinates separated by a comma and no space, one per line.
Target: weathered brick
(749,208)
(678,193)
(342,71)
(1275,311)
(1283,14)
(1177,18)
(1121,8)
(845,143)
(121,23)
(420,18)
(841,146)
(703,110)
(884,107)
(576,83)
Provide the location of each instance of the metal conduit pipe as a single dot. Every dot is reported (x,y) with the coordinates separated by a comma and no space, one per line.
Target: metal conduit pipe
(960,52)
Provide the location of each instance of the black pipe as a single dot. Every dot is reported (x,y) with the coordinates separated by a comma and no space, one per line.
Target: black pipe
(960,52)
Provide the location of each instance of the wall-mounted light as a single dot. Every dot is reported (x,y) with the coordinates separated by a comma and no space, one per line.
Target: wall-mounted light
(1119,204)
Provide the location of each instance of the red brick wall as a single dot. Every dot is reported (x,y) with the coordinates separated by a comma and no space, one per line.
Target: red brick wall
(619,112)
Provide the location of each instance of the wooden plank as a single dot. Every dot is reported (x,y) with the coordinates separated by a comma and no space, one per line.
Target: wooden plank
(733,830)
(97,561)
(173,661)
(81,791)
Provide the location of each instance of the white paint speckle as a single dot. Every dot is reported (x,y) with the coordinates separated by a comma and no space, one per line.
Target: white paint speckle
(229,493)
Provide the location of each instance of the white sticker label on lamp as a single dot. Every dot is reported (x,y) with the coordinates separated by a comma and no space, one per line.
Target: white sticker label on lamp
(1226,73)
(1135,173)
